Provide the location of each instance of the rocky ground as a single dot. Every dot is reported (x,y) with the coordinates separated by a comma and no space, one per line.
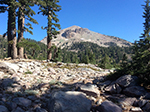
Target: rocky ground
(40,86)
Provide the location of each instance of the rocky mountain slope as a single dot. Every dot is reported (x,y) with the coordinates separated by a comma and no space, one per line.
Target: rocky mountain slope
(75,34)
(41,86)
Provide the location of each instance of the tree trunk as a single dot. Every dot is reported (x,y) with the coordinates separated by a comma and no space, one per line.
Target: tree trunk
(9,36)
(20,34)
(55,52)
(14,39)
(49,39)
(49,45)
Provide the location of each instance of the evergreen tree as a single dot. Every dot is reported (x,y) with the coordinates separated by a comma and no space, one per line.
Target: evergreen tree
(24,11)
(48,8)
(10,6)
(105,62)
(140,64)
(141,58)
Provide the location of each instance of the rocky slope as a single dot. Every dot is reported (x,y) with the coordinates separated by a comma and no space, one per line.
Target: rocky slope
(75,34)
(40,86)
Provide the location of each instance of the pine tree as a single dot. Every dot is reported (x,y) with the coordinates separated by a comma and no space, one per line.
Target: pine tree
(10,6)
(24,11)
(140,64)
(48,8)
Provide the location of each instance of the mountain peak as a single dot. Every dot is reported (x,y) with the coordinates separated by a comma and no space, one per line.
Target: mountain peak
(73,27)
(74,34)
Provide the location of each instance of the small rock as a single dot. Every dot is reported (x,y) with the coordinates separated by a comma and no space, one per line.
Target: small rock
(142,102)
(22,102)
(7,83)
(38,109)
(127,101)
(146,96)
(136,109)
(3,109)
(18,109)
(11,105)
(146,108)
(50,69)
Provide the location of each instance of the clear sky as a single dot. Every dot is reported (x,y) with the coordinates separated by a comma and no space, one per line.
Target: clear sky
(120,18)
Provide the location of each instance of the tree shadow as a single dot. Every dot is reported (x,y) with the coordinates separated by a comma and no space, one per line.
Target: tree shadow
(15,96)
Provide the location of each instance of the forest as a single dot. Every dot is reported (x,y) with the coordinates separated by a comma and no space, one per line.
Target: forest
(134,61)
(84,52)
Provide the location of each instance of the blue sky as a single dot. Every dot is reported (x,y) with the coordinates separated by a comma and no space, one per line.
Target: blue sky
(120,18)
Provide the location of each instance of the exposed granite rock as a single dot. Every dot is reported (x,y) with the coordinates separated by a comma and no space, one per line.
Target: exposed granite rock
(90,90)
(127,80)
(113,89)
(69,101)
(29,86)
(134,91)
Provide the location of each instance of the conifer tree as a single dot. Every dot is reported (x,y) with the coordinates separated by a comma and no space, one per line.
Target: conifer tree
(24,12)
(10,6)
(49,8)
(141,58)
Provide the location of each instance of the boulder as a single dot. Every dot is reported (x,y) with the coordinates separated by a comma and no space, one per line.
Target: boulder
(113,89)
(90,90)
(70,101)
(134,91)
(108,106)
(9,67)
(127,80)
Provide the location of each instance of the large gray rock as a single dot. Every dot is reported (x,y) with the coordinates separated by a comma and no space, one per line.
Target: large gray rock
(108,106)
(9,67)
(134,91)
(127,80)
(113,89)
(90,90)
(70,101)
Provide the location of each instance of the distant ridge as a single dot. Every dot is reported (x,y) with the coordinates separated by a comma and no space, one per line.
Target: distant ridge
(73,34)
